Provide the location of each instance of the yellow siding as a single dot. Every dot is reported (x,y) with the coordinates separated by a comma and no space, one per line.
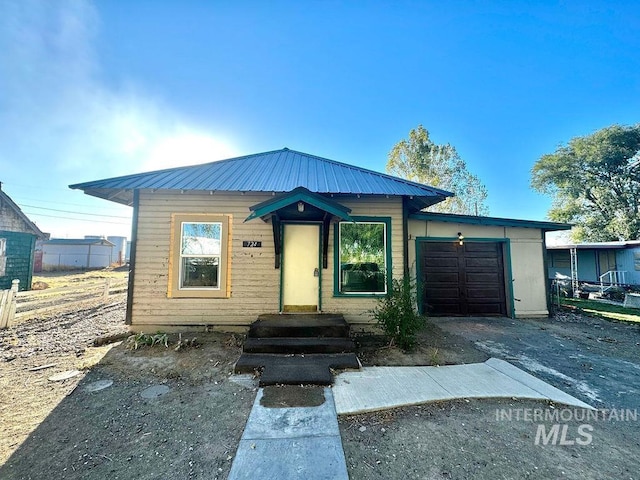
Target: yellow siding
(529,278)
(254,282)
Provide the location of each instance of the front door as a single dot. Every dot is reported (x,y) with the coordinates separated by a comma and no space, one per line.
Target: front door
(301,268)
(606,261)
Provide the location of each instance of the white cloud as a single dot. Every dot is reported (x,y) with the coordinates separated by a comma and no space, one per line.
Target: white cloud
(58,115)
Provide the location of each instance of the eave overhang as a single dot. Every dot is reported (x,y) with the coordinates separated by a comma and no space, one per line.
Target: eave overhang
(490,221)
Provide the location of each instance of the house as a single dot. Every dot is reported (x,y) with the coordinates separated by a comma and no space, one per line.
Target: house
(283,231)
(18,237)
(606,262)
(76,253)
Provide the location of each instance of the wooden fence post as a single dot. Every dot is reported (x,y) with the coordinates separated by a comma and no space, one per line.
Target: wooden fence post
(8,305)
(107,286)
(14,301)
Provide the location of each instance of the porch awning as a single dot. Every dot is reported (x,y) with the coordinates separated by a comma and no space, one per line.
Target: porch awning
(300,205)
(295,203)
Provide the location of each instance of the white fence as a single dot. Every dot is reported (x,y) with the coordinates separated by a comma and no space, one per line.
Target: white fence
(30,304)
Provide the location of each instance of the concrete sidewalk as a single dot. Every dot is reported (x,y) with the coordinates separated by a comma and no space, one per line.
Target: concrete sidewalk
(305,443)
(291,443)
(377,388)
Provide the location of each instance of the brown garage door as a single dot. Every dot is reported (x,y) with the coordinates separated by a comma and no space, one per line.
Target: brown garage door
(463,279)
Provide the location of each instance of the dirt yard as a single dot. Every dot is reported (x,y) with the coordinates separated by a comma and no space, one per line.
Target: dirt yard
(475,438)
(62,429)
(467,439)
(190,422)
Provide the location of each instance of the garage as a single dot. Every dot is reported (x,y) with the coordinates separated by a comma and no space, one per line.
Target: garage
(467,279)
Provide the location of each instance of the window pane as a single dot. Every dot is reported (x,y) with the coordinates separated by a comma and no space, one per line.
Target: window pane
(198,272)
(362,257)
(201,238)
(560,259)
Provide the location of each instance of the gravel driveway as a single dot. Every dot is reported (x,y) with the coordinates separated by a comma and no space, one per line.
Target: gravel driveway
(595,360)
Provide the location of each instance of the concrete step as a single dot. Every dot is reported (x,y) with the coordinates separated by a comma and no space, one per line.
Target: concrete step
(296,375)
(286,345)
(295,369)
(309,325)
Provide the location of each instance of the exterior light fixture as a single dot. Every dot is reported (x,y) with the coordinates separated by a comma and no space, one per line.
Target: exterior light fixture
(301,207)
(460,238)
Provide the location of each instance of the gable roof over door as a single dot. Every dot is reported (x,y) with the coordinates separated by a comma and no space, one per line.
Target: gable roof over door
(274,172)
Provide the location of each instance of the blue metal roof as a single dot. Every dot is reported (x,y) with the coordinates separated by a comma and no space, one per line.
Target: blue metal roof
(490,221)
(277,171)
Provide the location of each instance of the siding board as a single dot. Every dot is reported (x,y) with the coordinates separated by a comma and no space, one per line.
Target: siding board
(255,283)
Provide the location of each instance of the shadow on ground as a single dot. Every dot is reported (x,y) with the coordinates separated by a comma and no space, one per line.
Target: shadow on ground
(191,431)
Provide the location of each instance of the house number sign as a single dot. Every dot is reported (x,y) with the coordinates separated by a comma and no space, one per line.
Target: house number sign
(251,244)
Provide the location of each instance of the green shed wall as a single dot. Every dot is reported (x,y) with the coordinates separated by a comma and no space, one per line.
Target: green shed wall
(20,254)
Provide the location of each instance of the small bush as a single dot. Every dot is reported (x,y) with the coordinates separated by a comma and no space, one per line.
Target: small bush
(147,340)
(396,314)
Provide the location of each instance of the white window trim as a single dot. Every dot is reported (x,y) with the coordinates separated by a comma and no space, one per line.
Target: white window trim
(183,256)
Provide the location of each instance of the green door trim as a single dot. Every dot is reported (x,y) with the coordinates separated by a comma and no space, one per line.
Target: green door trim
(284,259)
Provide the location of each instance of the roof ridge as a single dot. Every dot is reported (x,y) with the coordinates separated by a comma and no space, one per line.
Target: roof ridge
(171,169)
(312,171)
(380,174)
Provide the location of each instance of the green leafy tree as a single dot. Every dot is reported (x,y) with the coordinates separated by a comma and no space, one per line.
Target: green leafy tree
(595,183)
(421,160)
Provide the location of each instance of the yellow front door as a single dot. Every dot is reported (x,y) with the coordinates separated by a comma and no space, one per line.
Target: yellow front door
(300,266)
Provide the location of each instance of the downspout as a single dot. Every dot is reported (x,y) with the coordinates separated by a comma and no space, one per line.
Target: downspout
(546,271)
(132,255)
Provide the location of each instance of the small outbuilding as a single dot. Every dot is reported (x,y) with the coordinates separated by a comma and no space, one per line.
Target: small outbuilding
(18,237)
(76,254)
(283,231)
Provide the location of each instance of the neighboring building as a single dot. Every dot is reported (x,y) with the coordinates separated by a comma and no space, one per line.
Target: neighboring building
(18,237)
(119,250)
(619,261)
(283,231)
(76,254)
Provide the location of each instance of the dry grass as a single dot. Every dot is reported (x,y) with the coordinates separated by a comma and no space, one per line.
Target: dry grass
(602,310)
(68,279)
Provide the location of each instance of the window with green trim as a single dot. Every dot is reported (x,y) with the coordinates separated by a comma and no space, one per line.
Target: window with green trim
(362,257)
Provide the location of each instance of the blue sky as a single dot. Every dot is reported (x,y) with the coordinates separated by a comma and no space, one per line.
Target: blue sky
(94,89)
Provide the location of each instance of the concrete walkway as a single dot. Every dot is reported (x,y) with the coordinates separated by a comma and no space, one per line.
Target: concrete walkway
(291,443)
(305,443)
(377,388)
